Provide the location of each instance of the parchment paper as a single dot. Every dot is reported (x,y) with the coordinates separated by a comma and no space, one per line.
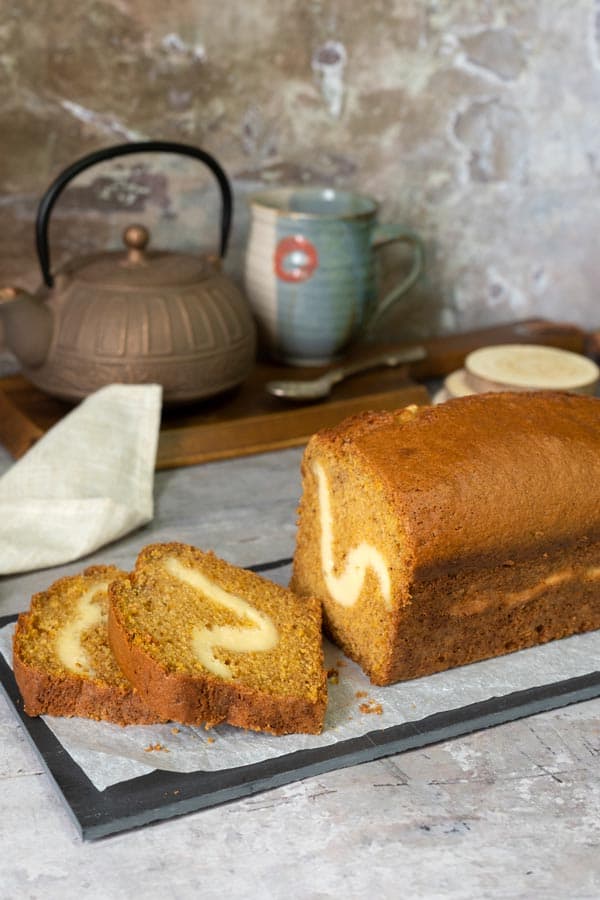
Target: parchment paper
(109,754)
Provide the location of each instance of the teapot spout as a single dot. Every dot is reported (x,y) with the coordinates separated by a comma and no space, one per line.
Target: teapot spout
(27,325)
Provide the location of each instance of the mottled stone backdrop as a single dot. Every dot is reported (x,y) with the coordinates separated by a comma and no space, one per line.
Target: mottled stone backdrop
(477,123)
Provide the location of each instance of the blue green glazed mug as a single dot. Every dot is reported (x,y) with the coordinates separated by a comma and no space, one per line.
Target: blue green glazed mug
(310,271)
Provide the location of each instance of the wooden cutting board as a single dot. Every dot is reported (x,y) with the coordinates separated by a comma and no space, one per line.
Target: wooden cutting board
(248,420)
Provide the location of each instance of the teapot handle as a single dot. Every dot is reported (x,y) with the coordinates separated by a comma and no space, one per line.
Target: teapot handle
(51,196)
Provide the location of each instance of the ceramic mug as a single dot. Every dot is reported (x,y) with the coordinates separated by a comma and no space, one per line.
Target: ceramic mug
(310,270)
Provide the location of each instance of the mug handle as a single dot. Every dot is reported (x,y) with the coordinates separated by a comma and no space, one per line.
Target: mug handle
(390,234)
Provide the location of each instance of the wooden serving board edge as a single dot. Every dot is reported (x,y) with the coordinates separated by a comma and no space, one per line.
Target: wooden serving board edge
(271,431)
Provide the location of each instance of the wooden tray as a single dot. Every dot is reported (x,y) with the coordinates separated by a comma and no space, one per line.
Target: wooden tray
(248,420)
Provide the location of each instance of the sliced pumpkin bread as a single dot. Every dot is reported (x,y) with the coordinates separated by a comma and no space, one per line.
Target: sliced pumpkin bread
(205,642)
(62,662)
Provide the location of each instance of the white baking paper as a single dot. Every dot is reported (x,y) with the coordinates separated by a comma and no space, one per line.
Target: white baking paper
(109,753)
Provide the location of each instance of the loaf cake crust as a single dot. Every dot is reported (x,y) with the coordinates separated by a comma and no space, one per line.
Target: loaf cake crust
(483,519)
(174,626)
(54,630)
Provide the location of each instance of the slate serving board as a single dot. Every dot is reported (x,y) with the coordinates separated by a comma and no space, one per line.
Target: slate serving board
(163,795)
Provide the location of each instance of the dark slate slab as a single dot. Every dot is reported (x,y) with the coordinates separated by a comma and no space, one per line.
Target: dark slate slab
(162,795)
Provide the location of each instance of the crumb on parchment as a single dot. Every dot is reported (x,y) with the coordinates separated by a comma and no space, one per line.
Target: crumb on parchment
(371,707)
(152,747)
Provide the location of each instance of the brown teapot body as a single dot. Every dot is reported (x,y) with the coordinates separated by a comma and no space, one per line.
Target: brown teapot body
(135,316)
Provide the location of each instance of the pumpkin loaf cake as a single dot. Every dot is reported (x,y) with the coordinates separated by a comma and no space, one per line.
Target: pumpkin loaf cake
(438,536)
(61,658)
(206,642)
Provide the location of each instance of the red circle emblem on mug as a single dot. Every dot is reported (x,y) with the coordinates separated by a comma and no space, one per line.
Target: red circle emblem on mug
(296,258)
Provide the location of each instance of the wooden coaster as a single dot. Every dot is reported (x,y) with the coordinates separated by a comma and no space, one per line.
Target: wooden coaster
(529,367)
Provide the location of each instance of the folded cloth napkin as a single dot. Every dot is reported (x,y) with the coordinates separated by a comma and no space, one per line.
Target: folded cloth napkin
(87,482)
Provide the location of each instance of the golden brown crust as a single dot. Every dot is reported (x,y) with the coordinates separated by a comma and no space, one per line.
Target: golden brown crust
(476,615)
(492,509)
(483,474)
(202,698)
(59,692)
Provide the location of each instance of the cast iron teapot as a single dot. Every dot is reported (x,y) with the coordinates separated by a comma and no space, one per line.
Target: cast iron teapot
(132,316)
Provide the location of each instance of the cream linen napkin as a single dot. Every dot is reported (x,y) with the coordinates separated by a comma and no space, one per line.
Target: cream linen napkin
(87,482)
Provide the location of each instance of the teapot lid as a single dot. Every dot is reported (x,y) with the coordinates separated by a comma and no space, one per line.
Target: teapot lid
(139,268)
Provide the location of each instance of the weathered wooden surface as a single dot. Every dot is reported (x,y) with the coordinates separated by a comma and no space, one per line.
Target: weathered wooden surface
(249,420)
(507,813)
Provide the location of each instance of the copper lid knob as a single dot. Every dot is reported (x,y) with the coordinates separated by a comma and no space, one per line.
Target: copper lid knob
(135,238)
(9,293)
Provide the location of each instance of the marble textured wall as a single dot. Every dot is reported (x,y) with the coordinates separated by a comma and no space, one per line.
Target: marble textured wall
(473,121)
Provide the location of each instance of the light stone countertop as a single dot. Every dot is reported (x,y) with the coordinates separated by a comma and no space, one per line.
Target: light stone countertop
(510,812)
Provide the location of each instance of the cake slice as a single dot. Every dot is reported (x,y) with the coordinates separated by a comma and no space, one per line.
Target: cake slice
(205,642)
(62,662)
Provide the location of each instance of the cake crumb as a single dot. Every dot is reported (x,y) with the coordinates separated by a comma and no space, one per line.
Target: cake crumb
(151,747)
(333,676)
(360,694)
(371,707)
(210,740)
(174,730)
(340,663)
